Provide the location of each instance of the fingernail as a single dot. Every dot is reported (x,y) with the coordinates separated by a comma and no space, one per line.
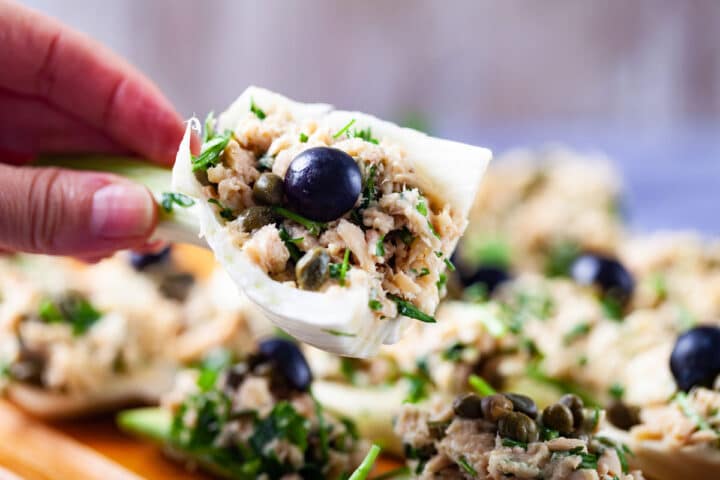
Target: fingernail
(122,210)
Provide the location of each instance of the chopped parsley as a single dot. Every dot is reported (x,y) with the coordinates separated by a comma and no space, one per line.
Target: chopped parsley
(291,244)
(339,271)
(560,257)
(616,391)
(454,352)
(212,151)
(259,113)
(348,369)
(509,442)
(659,285)
(169,199)
(588,461)
(578,331)
(211,366)
(481,386)
(421,207)
(224,212)
(406,236)
(450,266)
(423,272)
(442,280)
(303,138)
(681,400)
(73,310)
(462,461)
(365,134)
(344,129)
(380,247)
(420,383)
(362,472)
(323,433)
(369,188)
(612,308)
(548,433)
(375,305)
(313,227)
(209,127)
(409,310)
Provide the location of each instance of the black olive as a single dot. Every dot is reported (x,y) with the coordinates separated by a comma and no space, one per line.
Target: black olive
(323,183)
(313,269)
(268,189)
(253,218)
(523,404)
(576,406)
(518,426)
(140,261)
(288,360)
(558,417)
(495,406)
(468,406)
(613,279)
(623,416)
(695,360)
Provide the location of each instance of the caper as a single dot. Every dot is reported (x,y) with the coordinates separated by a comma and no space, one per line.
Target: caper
(558,417)
(523,404)
(253,218)
(468,406)
(313,269)
(495,406)
(575,404)
(518,426)
(268,189)
(623,416)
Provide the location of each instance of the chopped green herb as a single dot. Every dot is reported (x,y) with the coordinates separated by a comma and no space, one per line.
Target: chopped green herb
(380,247)
(431,227)
(303,138)
(423,271)
(375,305)
(367,464)
(616,391)
(209,130)
(344,129)
(344,267)
(211,366)
(559,258)
(348,369)
(365,134)
(420,383)
(462,461)
(313,227)
(370,186)
(481,386)
(211,152)
(224,212)
(442,280)
(50,313)
(579,330)
(681,400)
(266,162)
(170,199)
(612,307)
(338,333)
(548,433)
(450,266)
(509,442)
(409,310)
(583,360)
(622,451)
(439,254)
(454,352)
(588,461)
(73,309)
(422,208)
(259,113)
(323,433)
(406,236)
(291,244)
(659,286)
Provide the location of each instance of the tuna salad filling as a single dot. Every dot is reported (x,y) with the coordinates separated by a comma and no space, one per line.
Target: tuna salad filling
(310,205)
(499,436)
(252,418)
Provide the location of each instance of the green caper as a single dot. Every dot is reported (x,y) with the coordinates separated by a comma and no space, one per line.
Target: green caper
(313,269)
(518,426)
(575,404)
(558,417)
(468,406)
(268,189)
(253,218)
(623,416)
(523,404)
(495,406)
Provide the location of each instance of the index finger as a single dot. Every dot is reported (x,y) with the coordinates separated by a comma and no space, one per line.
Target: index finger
(41,57)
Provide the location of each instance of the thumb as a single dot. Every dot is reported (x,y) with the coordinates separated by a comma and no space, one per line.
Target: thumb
(63,212)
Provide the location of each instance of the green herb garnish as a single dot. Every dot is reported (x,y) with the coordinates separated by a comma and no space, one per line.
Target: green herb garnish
(409,310)
(224,212)
(211,153)
(560,257)
(313,227)
(450,266)
(211,366)
(406,236)
(303,138)
(481,386)
(612,308)
(380,247)
(259,113)
(423,271)
(579,330)
(344,129)
(73,310)
(169,199)
(509,442)
(209,130)
(681,400)
(616,391)
(348,369)
(367,464)
(422,208)
(454,352)
(442,280)
(344,267)
(370,187)
(462,461)
(365,134)
(375,305)
(291,244)
(420,383)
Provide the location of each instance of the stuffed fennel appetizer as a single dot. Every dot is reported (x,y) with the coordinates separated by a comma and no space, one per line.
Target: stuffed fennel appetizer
(339,225)
(503,436)
(253,418)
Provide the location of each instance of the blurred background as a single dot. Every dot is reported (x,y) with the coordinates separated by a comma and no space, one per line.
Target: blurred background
(637,80)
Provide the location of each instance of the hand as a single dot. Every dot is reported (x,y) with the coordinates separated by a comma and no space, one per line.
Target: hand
(61,92)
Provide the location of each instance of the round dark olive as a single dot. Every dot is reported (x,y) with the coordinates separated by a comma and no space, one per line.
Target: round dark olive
(523,404)
(518,426)
(313,269)
(488,277)
(268,189)
(322,183)
(140,261)
(623,416)
(288,360)
(606,273)
(695,360)
(468,406)
(495,406)
(253,218)
(576,406)
(558,417)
